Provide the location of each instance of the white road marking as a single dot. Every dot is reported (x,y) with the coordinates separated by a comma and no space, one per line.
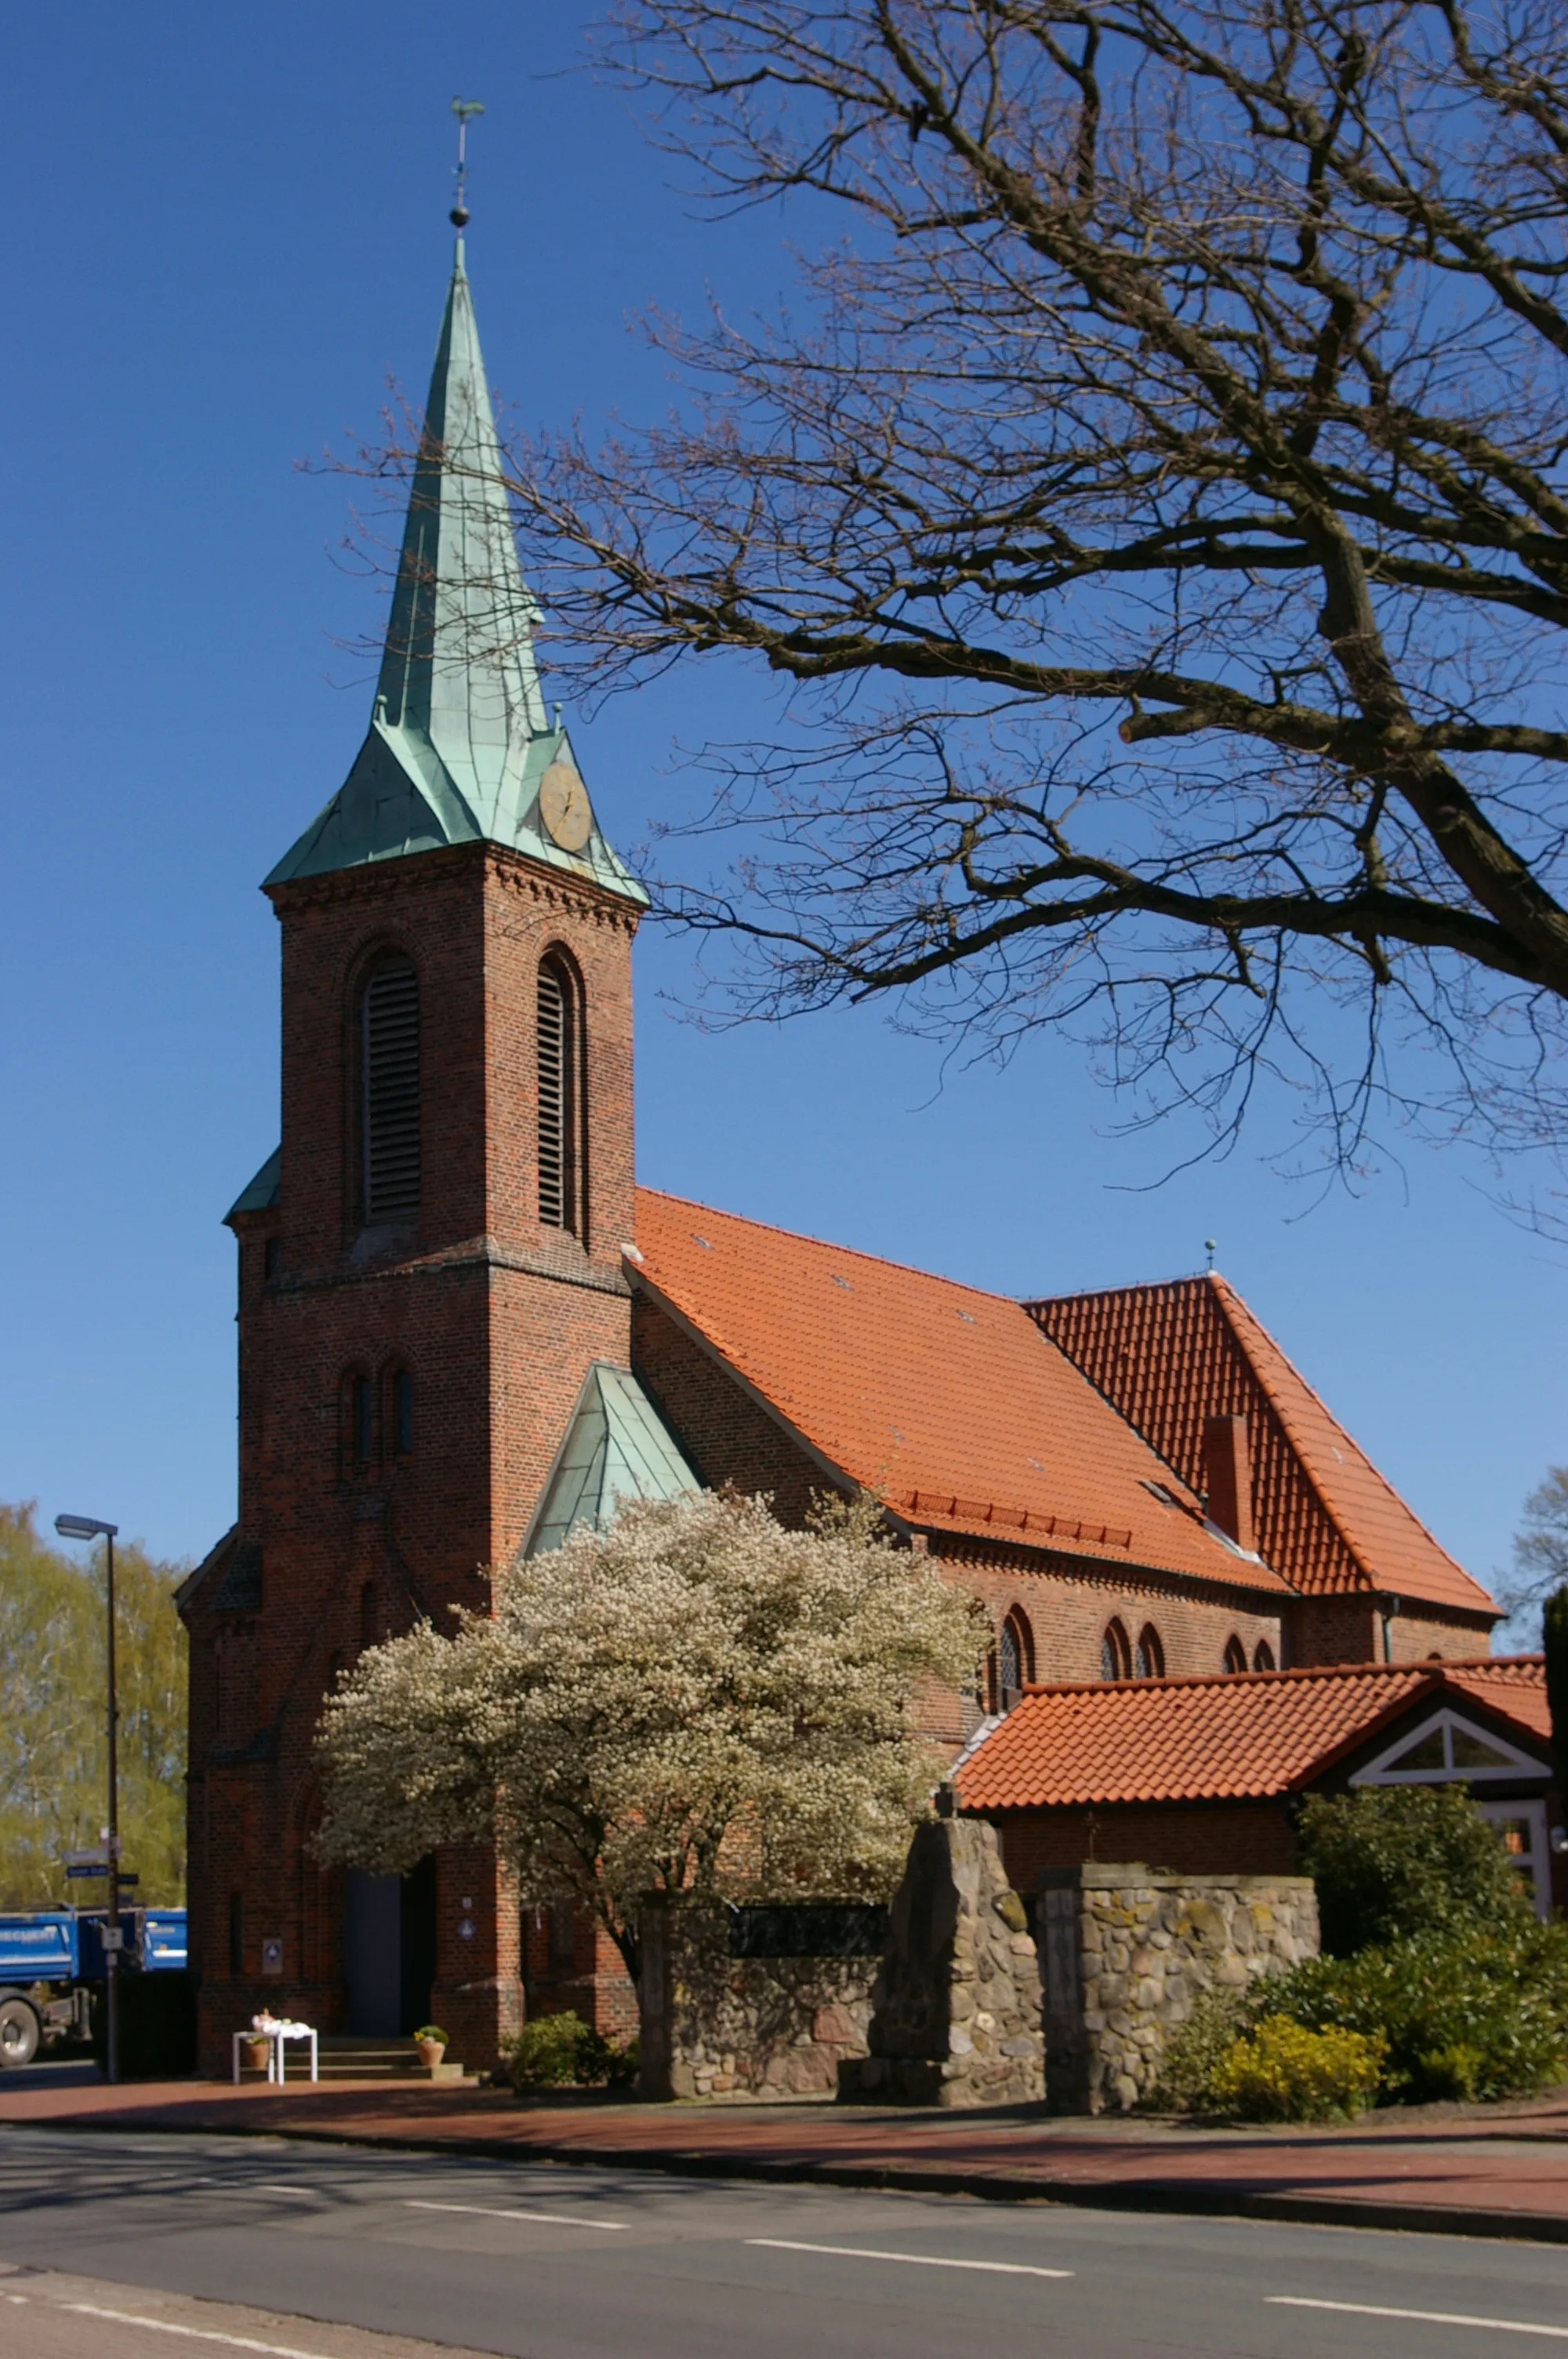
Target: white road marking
(1427,2316)
(273,2187)
(493,2212)
(193,2333)
(920,2260)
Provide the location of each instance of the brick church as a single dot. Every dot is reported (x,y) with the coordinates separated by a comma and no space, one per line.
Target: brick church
(464,1327)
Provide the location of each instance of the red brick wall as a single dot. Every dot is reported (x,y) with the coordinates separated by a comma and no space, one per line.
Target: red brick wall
(496,1318)
(1414,1639)
(1349,1629)
(1069,1601)
(1193,1838)
(1343,1629)
(727,1435)
(593,1983)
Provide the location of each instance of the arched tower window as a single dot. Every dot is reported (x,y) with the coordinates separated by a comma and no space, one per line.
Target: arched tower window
(400,1405)
(356,1425)
(1263,1656)
(1235,1654)
(560,1098)
(1115,1654)
(1014,1660)
(1148,1655)
(389,1085)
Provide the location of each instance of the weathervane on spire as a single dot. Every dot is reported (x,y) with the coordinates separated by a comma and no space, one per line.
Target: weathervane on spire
(463,108)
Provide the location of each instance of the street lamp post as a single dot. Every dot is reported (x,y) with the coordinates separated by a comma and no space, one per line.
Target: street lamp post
(88,1528)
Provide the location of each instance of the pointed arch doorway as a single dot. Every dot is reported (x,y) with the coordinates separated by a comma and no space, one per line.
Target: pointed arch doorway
(389,1951)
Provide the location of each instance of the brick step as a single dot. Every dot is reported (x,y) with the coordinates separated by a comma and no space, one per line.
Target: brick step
(345,2057)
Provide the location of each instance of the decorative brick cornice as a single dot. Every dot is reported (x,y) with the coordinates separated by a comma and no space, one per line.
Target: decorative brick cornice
(372,879)
(1099,1572)
(580,898)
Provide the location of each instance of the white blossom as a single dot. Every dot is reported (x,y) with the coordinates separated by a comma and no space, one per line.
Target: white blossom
(695,1699)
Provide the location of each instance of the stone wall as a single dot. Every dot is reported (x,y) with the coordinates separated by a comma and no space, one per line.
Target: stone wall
(955,2010)
(1126,1951)
(717,2026)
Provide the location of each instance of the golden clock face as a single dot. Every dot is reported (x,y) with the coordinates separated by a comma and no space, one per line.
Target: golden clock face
(564,807)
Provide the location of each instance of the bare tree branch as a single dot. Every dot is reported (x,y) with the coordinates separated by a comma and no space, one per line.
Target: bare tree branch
(1160,522)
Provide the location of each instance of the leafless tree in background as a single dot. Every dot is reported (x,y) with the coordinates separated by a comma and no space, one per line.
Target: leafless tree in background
(1161,521)
(1541,1558)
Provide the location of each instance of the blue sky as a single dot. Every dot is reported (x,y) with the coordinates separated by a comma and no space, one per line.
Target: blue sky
(227,230)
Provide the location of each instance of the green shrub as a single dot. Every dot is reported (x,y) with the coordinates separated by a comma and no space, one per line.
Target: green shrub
(1284,2072)
(432,2031)
(622,2064)
(556,2052)
(1478,2013)
(1219,2017)
(1393,1863)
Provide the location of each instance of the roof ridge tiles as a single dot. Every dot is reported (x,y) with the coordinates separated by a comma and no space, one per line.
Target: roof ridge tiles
(1132,1286)
(832,1245)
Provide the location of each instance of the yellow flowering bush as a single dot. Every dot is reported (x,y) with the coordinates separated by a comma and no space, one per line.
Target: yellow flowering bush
(1283,2072)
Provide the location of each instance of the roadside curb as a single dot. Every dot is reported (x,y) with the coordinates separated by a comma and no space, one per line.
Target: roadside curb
(1194,2198)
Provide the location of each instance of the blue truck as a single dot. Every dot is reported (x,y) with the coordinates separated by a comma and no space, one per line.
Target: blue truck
(51,1958)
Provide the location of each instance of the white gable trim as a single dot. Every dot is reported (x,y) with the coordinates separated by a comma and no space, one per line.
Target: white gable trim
(1447,1724)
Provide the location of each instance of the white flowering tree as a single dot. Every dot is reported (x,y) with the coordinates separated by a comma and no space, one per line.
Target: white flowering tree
(696,1700)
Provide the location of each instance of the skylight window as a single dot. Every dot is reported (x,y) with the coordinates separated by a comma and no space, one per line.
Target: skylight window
(1159,1491)
(701,1241)
(843,1282)
(969,1317)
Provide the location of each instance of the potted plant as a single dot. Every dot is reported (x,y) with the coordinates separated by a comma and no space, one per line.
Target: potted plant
(255,2051)
(431,2042)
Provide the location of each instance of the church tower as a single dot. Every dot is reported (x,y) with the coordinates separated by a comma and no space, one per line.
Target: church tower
(431,1264)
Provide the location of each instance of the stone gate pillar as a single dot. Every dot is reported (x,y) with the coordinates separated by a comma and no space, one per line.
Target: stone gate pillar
(956,2006)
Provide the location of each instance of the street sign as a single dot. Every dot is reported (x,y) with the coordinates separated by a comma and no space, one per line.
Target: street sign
(85,1861)
(126,1876)
(100,1868)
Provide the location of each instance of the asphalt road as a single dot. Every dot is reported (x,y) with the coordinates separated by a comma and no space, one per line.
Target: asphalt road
(563,2264)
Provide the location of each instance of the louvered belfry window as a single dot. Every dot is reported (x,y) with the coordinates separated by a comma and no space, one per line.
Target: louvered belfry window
(558,1098)
(390,1065)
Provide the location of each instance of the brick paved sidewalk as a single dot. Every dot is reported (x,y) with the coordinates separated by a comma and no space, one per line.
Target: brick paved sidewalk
(1486,2171)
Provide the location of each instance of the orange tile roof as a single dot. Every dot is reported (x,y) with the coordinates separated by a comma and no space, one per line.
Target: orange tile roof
(1170,1355)
(1229,1736)
(947,1401)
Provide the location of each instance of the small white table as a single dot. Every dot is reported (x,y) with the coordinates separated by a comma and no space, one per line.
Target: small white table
(275,2035)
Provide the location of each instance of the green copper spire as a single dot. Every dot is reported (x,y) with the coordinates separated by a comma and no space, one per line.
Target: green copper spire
(459,740)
